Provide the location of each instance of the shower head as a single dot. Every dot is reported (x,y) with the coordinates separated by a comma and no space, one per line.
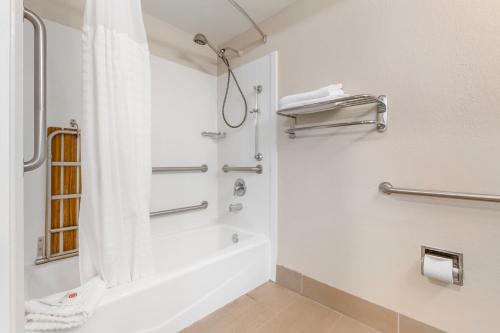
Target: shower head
(201,39)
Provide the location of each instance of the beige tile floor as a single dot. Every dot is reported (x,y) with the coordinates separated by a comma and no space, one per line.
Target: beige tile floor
(273,309)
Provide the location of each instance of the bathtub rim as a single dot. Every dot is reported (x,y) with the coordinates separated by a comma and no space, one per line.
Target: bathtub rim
(114,294)
(127,289)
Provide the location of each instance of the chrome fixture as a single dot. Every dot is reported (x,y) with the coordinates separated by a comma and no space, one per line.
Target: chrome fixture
(203,205)
(73,123)
(235,207)
(214,135)
(256,110)
(235,238)
(249,18)
(457,258)
(240,188)
(45,243)
(201,39)
(387,188)
(257,169)
(380,122)
(202,168)
(40,103)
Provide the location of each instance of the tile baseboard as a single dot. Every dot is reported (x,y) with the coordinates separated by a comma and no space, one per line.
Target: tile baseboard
(371,314)
(409,325)
(289,279)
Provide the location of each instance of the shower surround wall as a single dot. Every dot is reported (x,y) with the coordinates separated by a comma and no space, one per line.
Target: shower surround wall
(184,103)
(437,62)
(259,213)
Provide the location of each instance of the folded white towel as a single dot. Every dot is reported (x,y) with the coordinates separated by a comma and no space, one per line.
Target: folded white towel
(340,94)
(315,94)
(64,310)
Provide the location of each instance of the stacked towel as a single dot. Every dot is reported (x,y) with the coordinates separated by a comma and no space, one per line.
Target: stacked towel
(64,310)
(324,94)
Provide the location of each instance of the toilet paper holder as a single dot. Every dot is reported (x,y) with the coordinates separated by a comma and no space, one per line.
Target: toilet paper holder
(458,262)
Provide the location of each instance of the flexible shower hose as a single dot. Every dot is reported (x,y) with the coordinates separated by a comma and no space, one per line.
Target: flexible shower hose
(229,74)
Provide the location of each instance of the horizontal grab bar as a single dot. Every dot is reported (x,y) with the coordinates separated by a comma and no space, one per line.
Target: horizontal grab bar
(202,168)
(387,188)
(257,169)
(203,205)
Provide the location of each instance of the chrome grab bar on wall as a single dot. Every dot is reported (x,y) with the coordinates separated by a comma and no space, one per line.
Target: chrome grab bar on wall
(387,188)
(202,168)
(40,118)
(203,205)
(257,169)
(256,110)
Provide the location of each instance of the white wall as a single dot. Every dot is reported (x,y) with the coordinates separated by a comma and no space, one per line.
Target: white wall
(238,148)
(438,63)
(63,103)
(184,105)
(184,102)
(11,168)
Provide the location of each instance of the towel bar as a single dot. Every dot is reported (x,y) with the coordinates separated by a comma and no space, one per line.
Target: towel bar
(380,122)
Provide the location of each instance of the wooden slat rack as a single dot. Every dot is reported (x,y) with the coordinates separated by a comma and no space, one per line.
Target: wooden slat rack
(63,195)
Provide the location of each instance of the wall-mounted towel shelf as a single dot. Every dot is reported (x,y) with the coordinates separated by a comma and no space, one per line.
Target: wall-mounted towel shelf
(380,122)
(202,168)
(387,188)
(257,169)
(203,205)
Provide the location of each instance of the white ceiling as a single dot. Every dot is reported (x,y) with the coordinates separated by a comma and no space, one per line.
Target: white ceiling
(216,19)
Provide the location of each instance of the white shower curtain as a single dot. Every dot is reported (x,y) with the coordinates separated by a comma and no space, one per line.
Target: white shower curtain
(115,236)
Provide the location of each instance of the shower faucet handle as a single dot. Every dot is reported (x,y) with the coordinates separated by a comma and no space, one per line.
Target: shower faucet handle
(240,187)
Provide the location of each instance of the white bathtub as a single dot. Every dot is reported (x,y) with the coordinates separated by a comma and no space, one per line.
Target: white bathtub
(199,271)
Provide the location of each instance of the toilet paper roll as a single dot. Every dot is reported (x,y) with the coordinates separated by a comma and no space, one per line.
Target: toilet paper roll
(438,268)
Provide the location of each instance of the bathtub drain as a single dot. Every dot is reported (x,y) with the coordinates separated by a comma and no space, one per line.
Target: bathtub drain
(235,238)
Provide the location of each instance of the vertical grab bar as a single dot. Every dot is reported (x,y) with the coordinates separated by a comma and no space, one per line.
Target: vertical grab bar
(256,110)
(40,117)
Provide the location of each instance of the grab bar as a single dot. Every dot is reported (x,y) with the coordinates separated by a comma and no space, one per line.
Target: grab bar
(203,205)
(40,119)
(202,168)
(257,169)
(256,110)
(387,188)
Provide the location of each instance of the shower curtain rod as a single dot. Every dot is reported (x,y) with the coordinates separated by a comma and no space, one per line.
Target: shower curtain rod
(249,18)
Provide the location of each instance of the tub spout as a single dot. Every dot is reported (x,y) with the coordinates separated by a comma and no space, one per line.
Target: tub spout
(235,207)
